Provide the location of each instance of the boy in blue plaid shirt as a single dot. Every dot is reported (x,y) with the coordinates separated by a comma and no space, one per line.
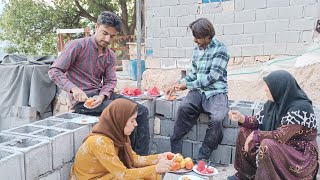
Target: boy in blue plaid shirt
(208,87)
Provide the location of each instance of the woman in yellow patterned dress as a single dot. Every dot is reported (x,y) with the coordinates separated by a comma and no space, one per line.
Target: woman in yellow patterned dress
(106,152)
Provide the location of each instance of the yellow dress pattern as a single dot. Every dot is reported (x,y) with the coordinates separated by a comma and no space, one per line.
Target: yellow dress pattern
(97,158)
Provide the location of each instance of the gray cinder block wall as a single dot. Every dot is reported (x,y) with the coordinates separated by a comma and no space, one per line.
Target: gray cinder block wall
(250,28)
(45,149)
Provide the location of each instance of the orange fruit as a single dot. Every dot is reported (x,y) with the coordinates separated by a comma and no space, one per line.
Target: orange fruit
(89,102)
(175,166)
(189,165)
(170,156)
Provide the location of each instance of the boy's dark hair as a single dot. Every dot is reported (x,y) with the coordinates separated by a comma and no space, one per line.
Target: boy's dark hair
(108,18)
(202,28)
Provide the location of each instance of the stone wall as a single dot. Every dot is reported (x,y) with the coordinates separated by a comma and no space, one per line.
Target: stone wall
(45,149)
(250,28)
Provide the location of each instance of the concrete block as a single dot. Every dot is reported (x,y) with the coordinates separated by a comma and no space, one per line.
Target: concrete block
(160,32)
(164,108)
(183,10)
(184,63)
(264,38)
(291,12)
(210,17)
(150,105)
(161,144)
(153,43)
(37,155)
(192,134)
(185,42)
(68,115)
(177,31)
(153,63)
(274,49)
(79,133)
(296,48)
(151,131)
(310,11)
(288,37)
(168,63)
(48,122)
(235,51)
(11,164)
(149,32)
(175,108)
(6,137)
(239,5)
(245,16)
(277,3)
(169,42)
(252,50)
(224,18)
(227,39)
(222,155)
(62,144)
(169,22)
(255,27)
(230,29)
(151,4)
(158,12)
(267,14)
(211,8)
(244,107)
(195,149)
(177,52)
(187,2)
(189,52)
(55,175)
(302,2)
(160,52)
(157,126)
(242,39)
(230,136)
(169,2)
(184,21)
(228,6)
(24,130)
(233,154)
(166,127)
(277,25)
(153,22)
(302,24)
(218,29)
(317,114)
(187,148)
(201,132)
(65,171)
(254,4)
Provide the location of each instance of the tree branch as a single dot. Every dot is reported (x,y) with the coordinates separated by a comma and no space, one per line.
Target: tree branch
(83,12)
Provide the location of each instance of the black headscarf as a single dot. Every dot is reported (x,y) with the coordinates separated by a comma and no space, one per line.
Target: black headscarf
(288,97)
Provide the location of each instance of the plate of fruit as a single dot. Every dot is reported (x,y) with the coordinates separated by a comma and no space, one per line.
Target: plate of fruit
(154,92)
(180,164)
(133,92)
(204,170)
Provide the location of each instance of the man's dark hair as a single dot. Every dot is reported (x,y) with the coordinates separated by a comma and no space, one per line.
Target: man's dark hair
(202,28)
(110,19)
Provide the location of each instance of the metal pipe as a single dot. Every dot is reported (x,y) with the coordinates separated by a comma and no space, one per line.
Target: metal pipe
(138,11)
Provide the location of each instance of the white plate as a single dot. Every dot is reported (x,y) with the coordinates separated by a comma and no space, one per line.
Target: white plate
(215,172)
(129,95)
(85,120)
(180,171)
(191,177)
(146,93)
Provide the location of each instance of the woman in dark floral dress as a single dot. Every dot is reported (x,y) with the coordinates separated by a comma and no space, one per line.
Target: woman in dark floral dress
(280,141)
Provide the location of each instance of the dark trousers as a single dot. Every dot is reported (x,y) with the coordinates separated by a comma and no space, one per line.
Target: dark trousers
(140,137)
(188,112)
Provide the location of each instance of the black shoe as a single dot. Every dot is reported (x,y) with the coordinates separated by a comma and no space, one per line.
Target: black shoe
(232,177)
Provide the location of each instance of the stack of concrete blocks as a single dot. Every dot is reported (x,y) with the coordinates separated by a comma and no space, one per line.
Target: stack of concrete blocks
(42,150)
(165,117)
(253,30)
